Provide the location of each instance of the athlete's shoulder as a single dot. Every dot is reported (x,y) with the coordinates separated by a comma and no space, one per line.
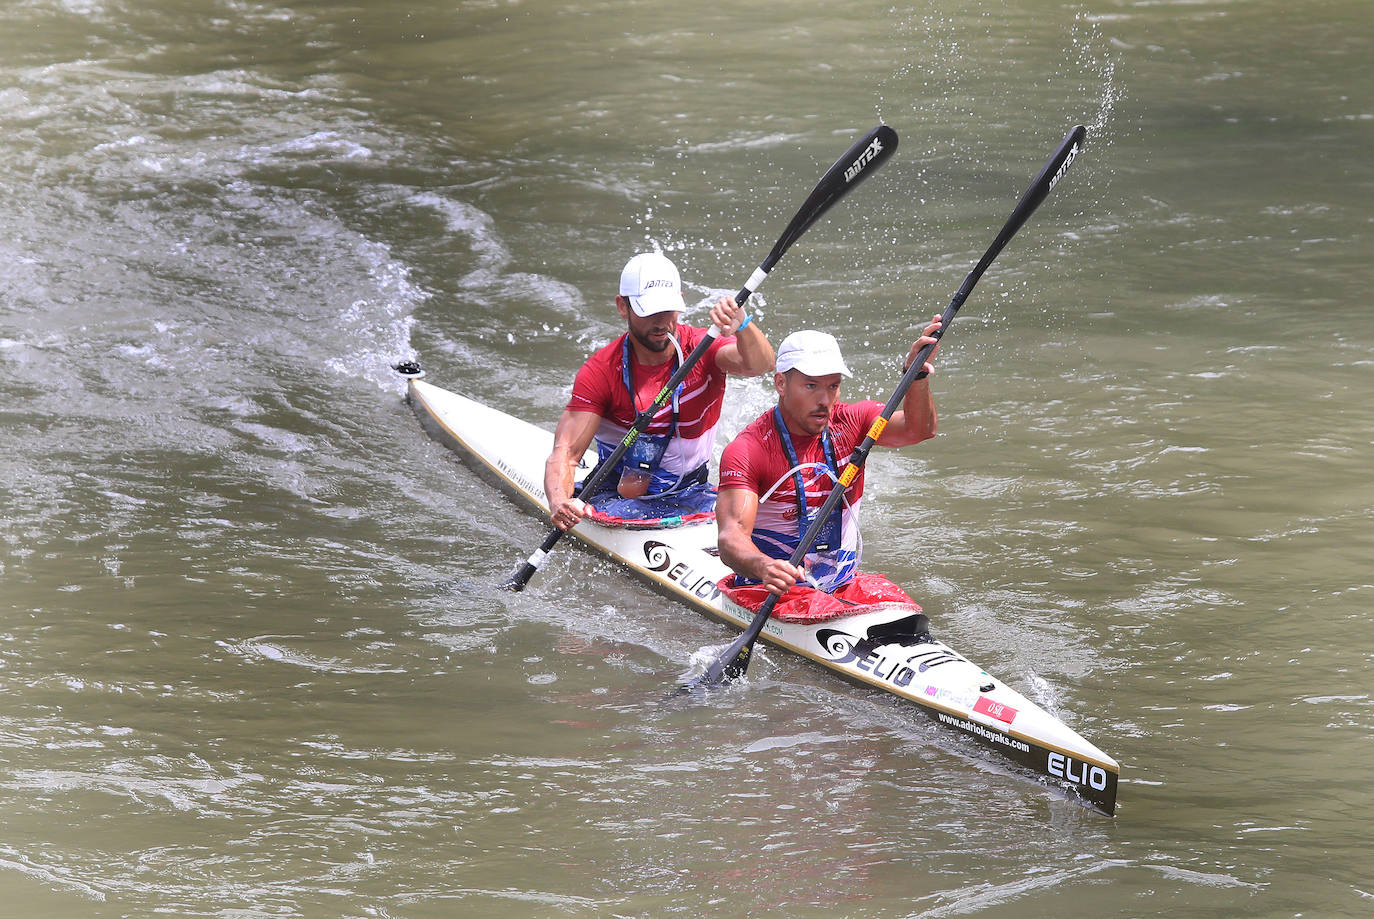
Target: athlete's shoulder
(757,440)
(761,429)
(741,458)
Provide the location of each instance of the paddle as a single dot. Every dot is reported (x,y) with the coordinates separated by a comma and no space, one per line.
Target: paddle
(733,663)
(863,158)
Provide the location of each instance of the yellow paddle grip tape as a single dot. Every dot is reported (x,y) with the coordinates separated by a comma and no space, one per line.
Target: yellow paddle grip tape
(847,477)
(879,425)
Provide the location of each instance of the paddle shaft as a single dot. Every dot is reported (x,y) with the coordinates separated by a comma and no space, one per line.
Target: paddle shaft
(862,158)
(733,663)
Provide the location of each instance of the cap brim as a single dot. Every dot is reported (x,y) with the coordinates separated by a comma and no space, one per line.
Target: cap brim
(656,301)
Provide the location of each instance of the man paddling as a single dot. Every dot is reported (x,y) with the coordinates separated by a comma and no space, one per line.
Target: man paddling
(664,472)
(781,468)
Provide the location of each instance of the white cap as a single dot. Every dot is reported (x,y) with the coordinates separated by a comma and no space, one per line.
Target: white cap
(651,283)
(816,354)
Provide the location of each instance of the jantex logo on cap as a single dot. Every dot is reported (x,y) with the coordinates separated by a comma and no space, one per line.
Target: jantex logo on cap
(651,283)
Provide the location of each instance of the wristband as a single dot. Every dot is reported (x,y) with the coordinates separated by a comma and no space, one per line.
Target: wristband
(748,318)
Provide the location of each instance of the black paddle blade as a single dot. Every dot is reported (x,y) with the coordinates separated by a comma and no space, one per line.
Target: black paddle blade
(736,666)
(1036,193)
(727,668)
(864,157)
(1050,174)
(731,664)
(516,582)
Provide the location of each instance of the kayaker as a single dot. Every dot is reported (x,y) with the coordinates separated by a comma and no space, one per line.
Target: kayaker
(664,473)
(798,448)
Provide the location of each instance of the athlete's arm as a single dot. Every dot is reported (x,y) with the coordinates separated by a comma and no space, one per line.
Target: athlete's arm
(916,420)
(735,511)
(571,439)
(750,354)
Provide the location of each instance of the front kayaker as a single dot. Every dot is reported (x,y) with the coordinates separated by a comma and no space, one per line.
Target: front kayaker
(664,473)
(782,467)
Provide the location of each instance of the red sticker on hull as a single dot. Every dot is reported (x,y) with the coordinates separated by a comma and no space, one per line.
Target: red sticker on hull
(995,709)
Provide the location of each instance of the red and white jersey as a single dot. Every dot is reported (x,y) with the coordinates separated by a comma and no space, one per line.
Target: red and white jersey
(600,389)
(757,461)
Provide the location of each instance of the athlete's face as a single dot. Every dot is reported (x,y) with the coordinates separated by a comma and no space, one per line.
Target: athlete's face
(806,402)
(651,332)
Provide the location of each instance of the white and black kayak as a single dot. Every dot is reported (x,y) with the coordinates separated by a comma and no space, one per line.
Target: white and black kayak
(888,648)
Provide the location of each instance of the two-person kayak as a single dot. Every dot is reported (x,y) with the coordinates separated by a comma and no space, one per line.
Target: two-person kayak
(887,647)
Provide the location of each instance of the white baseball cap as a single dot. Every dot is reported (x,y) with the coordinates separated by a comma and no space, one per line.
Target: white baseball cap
(650,281)
(816,354)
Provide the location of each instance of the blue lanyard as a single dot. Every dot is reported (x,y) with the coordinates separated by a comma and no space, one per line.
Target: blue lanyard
(803,517)
(626,356)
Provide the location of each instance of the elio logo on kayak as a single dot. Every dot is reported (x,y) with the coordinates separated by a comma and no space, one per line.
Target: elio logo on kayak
(1071,770)
(871,151)
(899,669)
(886,650)
(659,557)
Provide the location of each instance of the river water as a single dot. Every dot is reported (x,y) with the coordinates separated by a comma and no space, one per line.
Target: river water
(252,658)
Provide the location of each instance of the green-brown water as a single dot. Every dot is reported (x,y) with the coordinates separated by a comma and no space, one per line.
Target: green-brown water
(252,661)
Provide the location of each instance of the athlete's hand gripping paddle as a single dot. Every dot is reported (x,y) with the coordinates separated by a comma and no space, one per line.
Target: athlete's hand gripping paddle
(733,663)
(863,158)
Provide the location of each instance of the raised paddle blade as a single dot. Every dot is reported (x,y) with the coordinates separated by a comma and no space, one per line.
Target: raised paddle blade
(863,158)
(1035,194)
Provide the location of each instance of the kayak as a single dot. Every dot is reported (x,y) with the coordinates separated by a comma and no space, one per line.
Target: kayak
(888,648)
